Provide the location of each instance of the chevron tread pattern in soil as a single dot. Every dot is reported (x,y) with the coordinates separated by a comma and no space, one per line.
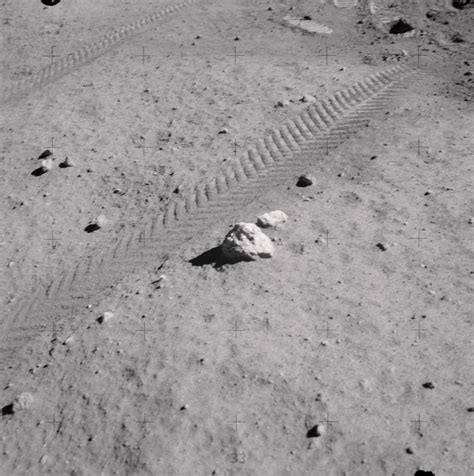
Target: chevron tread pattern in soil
(86,54)
(272,160)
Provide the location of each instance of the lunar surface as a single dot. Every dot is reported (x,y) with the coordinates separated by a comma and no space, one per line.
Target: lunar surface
(135,137)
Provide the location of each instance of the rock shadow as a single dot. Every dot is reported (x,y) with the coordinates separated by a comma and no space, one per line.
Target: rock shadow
(8,409)
(91,228)
(39,171)
(214,257)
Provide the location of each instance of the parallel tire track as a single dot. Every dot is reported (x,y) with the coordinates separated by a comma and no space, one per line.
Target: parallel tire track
(86,54)
(273,159)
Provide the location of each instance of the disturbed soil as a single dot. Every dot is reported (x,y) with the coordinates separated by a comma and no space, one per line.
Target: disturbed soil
(347,353)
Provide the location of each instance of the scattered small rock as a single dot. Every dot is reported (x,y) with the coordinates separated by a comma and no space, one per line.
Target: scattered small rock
(470,409)
(272,219)
(308,98)
(429,385)
(305,180)
(67,162)
(247,242)
(105,317)
(368,59)
(184,407)
(316,431)
(457,38)
(409,451)
(224,131)
(381,246)
(283,103)
(100,222)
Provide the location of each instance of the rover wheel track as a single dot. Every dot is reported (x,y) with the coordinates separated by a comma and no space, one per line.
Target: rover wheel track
(273,159)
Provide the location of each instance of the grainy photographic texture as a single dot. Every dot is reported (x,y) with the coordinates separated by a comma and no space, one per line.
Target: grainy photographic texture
(236,237)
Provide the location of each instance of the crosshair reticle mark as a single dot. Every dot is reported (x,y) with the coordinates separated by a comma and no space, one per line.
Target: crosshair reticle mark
(144,242)
(143,56)
(51,55)
(52,146)
(419,422)
(236,145)
(54,422)
(143,424)
(328,238)
(419,330)
(236,329)
(418,237)
(236,422)
(52,240)
(235,55)
(144,330)
(54,330)
(326,146)
(327,329)
(418,55)
(419,147)
(326,54)
(328,421)
(144,147)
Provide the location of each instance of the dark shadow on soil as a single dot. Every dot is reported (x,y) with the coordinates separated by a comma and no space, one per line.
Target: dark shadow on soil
(8,409)
(92,227)
(213,257)
(39,171)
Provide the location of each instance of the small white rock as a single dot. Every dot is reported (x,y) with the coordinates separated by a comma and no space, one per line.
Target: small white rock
(283,103)
(272,219)
(247,242)
(321,429)
(101,221)
(23,401)
(106,316)
(47,164)
(69,340)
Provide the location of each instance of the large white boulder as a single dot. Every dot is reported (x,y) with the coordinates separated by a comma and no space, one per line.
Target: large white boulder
(247,242)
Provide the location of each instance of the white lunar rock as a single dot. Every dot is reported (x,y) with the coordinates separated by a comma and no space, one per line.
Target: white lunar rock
(106,316)
(247,242)
(23,401)
(272,219)
(46,164)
